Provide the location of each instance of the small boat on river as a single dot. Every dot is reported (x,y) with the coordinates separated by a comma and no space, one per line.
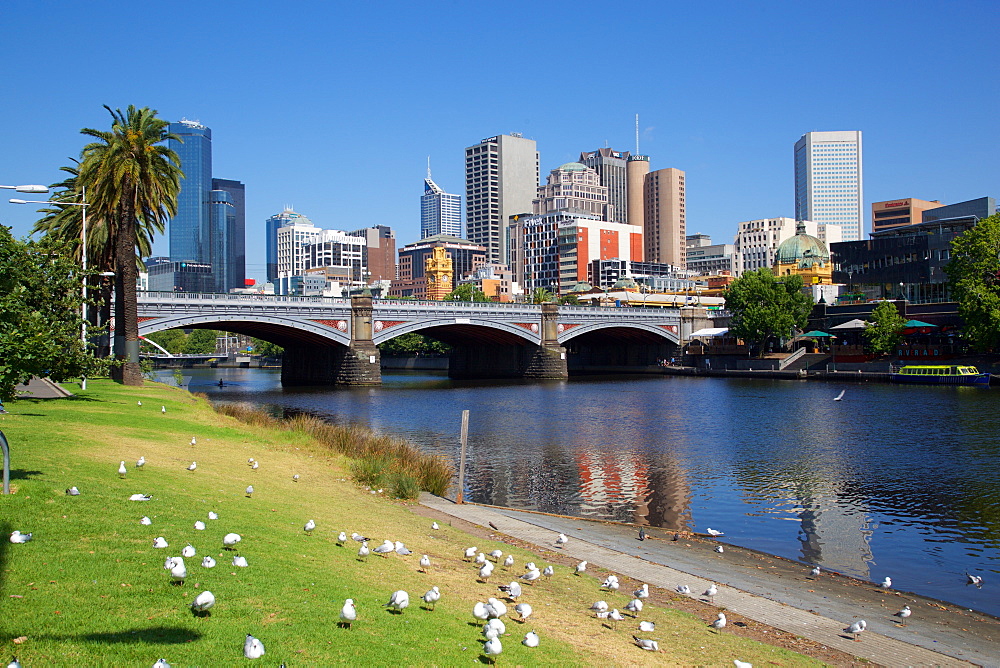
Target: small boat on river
(940,374)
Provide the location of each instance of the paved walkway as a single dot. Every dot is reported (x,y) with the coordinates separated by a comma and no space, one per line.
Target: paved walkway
(770,590)
(42,388)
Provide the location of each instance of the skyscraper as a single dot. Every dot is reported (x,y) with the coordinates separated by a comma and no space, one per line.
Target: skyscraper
(828,181)
(440,212)
(501,180)
(286,217)
(611,166)
(209,227)
(665,225)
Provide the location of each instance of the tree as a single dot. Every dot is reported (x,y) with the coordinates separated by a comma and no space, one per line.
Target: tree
(974,279)
(540,296)
(569,300)
(266,348)
(412,343)
(467,292)
(132,181)
(201,342)
(886,329)
(173,340)
(765,308)
(40,316)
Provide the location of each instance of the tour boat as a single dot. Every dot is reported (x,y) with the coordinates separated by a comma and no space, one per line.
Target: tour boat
(940,374)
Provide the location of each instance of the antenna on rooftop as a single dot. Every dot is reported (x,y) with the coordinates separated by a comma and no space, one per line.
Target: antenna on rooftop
(428,166)
(637,134)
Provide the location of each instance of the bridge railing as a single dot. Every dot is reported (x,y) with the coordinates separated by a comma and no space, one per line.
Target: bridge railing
(236,298)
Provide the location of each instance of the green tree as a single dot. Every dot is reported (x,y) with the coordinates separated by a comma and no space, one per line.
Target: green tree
(174,340)
(40,313)
(569,300)
(467,292)
(765,308)
(132,180)
(974,279)
(413,343)
(885,331)
(201,342)
(266,348)
(540,296)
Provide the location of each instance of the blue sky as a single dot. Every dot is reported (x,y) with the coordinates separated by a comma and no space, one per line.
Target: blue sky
(334,107)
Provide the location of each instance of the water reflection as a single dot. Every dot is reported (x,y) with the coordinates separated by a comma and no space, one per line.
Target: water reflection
(900,481)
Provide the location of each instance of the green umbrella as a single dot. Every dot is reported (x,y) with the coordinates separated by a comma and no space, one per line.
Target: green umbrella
(816,332)
(916,323)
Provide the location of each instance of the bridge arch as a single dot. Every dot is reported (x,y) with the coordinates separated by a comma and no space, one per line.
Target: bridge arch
(581,330)
(276,329)
(453,329)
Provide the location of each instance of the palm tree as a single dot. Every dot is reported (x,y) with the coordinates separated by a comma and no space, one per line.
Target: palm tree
(132,182)
(540,296)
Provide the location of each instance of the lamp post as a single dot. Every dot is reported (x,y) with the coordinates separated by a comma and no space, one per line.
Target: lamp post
(83,250)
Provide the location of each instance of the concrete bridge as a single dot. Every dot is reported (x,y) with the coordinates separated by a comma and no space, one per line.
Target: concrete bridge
(334,341)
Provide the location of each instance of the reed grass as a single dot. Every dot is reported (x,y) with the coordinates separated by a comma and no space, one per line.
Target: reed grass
(377,460)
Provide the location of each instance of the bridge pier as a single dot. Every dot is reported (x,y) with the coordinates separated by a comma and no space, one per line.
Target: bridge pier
(357,364)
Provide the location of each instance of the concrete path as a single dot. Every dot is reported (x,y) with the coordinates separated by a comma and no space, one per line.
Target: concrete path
(770,590)
(42,388)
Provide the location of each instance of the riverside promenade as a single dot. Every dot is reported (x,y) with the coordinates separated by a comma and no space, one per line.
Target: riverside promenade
(770,590)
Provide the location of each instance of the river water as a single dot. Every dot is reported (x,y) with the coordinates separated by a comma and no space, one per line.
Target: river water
(901,481)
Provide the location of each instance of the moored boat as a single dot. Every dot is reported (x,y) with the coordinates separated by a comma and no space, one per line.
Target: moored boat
(940,374)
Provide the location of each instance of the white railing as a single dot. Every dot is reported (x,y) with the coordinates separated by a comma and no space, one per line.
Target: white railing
(791,358)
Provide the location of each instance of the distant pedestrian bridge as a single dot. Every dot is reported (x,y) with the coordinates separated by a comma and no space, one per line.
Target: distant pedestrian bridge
(334,341)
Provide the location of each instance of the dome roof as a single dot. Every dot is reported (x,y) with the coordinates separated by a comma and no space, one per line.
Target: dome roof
(572,167)
(582,286)
(803,249)
(625,284)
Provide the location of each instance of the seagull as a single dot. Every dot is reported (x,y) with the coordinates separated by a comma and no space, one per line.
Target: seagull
(974,579)
(816,570)
(179,571)
(581,568)
(208,562)
(363,551)
(903,614)
(250,461)
(253,648)
(193,466)
(434,525)
(495,608)
(398,601)
(159,542)
(145,521)
(239,561)
(509,561)
(255,465)
(432,596)
(231,539)
(348,615)
(611,585)
(615,617)
(139,403)
(341,538)
(711,592)
(203,602)
(599,606)
(742,664)
(199,526)
(642,592)
(358,537)
(162,663)
(496,625)
(530,566)
(18,537)
(490,632)
(856,629)
(249,491)
(513,590)
(887,583)
(549,571)
(486,571)
(122,471)
(719,549)
(401,549)
(634,606)
(480,558)
(163,409)
(385,548)
(479,611)
(139,463)
(73,491)
(140,497)
(295,478)
(840,396)
(647,627)
(611,579)
(561,540)
(713,533)
(523,610)
(194,441)
(496,554)
(646,644)
(470,552)
(425,563)
(683,589)
(492,649)
(720,622)
(530,639)
(212,515)
(308,528)
(642,533)
(188,551)
(532,575)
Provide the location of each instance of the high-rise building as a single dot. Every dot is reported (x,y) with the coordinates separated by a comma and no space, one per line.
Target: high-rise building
(501,179)
(293,252)
(612,169)
(706,259)
(828,181)
(440,212)
(665,219)
(380,252)
(465,256)
(285,218)
(898,212)
(574,188)
(636,170)
(209,228)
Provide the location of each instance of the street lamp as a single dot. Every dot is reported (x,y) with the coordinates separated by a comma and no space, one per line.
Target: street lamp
(83,249)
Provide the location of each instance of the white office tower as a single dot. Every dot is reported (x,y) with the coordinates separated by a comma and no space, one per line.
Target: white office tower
(501,180)
(440,212)
(828,181)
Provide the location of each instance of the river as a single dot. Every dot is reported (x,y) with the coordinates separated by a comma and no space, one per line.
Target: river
(901,481)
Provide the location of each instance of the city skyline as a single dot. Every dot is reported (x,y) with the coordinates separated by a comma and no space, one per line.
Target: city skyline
(364,121)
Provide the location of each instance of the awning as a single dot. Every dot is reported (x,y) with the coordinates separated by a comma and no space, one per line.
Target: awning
(711,331)
(916,323)
(816,333)
(851,324)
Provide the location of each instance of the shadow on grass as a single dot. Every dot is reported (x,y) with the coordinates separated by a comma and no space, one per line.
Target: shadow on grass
(23,474)
(157,635)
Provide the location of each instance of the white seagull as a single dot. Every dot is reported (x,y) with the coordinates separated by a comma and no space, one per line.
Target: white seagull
(642,592)
(480,558)
(486,571)
(163,409)
(358,537)
(255,465)
(532,575)
(208,562)
(239,561)
(903,614)
(308,528)
(161,663)
(193,466)
(479,611)
(887,583)
(496,554)
(295,478)
(549,571)
(159,542)
(646,644)
(178,571)
(647,627)
(188,551)
(615,617)
(199,526)
(530,639)
(498,625)
(145,521)
(711,592)
(385,548)
(348,614)
(18,537)
(194,441)
(856,629)
(742,664)
(139,463)
(425,563)
(249,491)
(122,471)
(580,568)
(434,525)
(523,610)
(470,552)
(140,497)
(253,648)
(720,622)
(634,606)
(212,515)
(139,403)
(513,590)
(509,561)
(840,396)
(492,649)
(974,579)
(683,589)
(561,540)
(341,538)
(599,606)
(713,533)
(231,539)
(816,570)
(719,549)
(203,602)
(495,608)
(432,596)
(398,601)
(401,549)
(363,551)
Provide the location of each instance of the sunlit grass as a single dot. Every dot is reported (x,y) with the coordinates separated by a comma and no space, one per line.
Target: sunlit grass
(91,590)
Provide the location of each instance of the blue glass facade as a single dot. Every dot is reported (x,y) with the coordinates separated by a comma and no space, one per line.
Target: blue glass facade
(440,212)
(190,229)
(232,224)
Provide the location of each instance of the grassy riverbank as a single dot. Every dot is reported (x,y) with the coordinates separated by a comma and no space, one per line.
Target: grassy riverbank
(91,590)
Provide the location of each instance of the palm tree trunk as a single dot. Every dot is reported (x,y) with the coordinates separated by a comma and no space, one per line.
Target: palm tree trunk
(126,313)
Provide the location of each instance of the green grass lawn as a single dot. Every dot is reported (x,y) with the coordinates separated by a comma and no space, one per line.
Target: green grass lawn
(90,589)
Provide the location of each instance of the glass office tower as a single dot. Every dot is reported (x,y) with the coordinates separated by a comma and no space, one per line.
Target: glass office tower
(440,212)
(828,181)
(190,229)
